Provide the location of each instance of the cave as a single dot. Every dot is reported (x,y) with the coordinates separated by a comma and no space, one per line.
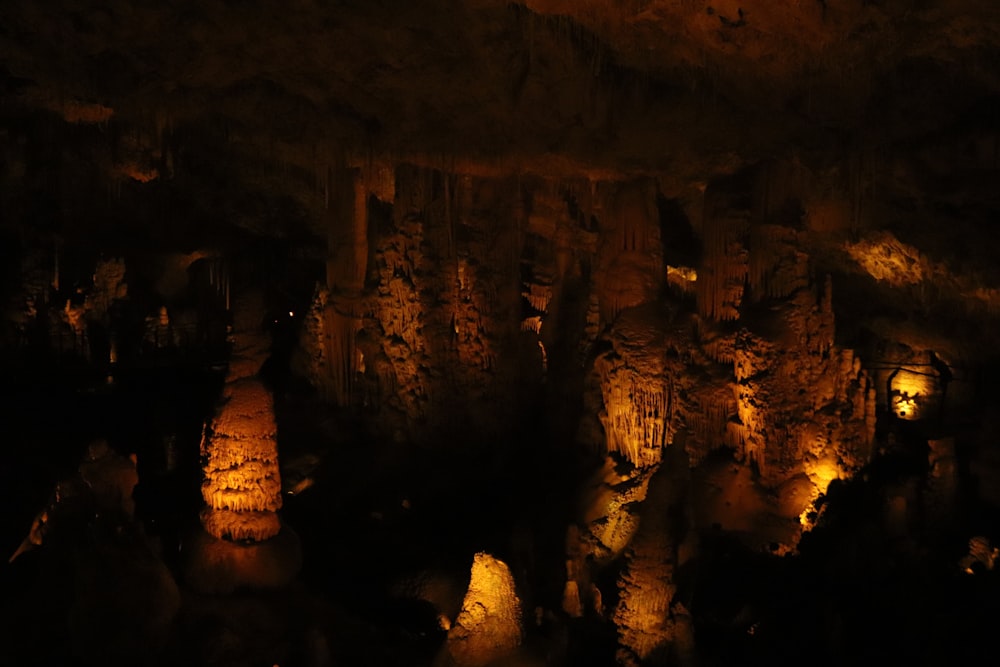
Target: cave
(469,333)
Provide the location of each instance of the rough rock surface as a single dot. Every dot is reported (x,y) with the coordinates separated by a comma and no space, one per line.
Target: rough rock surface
(489,625)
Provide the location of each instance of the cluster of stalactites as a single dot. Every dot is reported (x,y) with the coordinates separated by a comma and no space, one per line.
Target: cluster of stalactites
(313,361)
(329,358)
(636,415)
(718,347)
(776,268)
(643,614)
(538,295)
(472,320)
(709,423)
(723,274)
(397,305)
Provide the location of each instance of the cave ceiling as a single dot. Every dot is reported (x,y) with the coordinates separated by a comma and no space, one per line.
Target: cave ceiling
(683,90)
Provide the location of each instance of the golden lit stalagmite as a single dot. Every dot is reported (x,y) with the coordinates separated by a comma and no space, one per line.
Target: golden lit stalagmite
(244,543)
(242,486)
(651,625)
(489,625)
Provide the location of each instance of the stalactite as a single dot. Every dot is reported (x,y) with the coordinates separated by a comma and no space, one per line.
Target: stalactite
(636,418)
(533,324)
(55,266)
(341,329)
(776,267)
(725,262)
(538,296)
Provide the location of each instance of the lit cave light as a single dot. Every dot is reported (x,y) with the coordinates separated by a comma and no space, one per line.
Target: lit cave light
(911,393)
(682,277)
(821,473)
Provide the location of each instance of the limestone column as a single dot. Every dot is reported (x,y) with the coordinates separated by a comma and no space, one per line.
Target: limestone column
(242,484)
(244,543)
(346,266)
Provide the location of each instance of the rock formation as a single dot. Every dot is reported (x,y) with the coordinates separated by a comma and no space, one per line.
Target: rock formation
(489,626)
(646,610)
(244,543)
(242,487)
(569,245)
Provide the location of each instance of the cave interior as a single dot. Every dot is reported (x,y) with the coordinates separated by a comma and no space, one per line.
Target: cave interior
(499,332)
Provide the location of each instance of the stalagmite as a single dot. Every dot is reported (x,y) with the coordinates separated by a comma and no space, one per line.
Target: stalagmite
(489,625)
(645,612)
(242,485)
(243,543)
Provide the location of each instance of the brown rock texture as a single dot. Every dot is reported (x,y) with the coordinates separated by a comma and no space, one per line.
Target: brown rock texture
(489,626)
(242,485)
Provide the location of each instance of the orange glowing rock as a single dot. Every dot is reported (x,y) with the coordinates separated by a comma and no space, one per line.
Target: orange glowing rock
(137,172)
(242,485)
(644,615)
(74,111)
(636,390)
(885,258)
(489,625)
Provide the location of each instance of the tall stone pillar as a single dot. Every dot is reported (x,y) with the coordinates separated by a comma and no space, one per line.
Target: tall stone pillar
(346,266)
(244,543)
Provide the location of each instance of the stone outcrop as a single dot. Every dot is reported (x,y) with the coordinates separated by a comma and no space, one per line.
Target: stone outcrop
(489,627)
(649,619)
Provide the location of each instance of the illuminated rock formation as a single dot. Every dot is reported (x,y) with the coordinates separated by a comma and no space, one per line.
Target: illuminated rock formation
(489,625)
(609,518)
(526,220)
(399,320)
(982,556)
(242,487)
(103,486)
(159,331)
(244,543)
(646,608)
(782,427)
(637,390)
